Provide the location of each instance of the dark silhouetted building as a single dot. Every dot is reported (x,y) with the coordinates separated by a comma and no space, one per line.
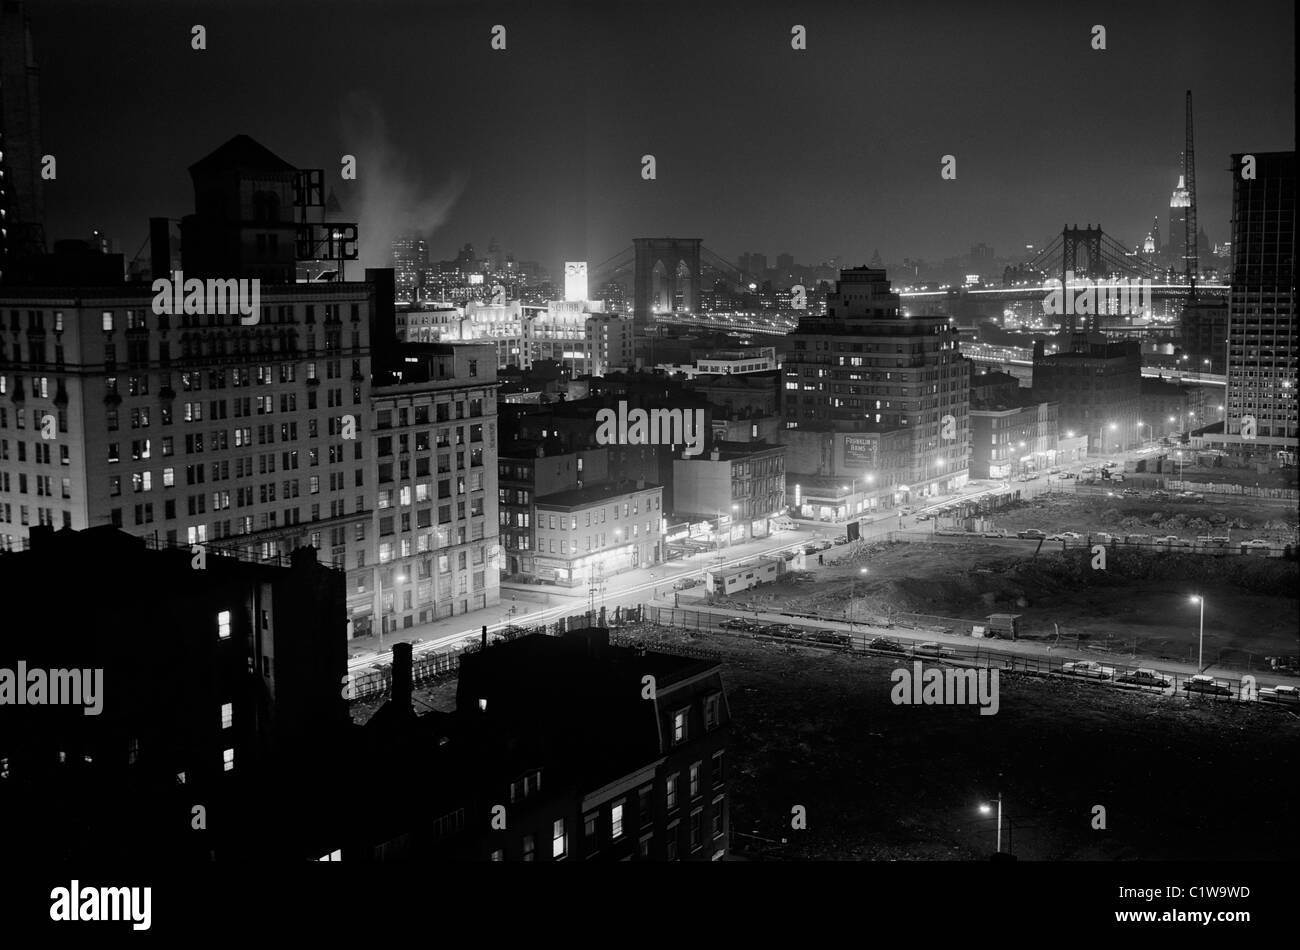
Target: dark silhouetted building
(1098,387)
(218,680)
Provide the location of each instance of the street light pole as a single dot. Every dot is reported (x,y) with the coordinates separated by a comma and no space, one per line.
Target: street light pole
(1200,652)
(985,810)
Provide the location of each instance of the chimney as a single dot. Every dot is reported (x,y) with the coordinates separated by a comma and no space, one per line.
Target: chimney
(401,693)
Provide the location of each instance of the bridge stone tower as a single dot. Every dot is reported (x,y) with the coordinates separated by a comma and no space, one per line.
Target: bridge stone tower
(664,268)
(1087,239)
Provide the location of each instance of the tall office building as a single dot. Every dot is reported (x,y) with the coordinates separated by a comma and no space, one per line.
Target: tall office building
(881,394)
(1262,337)
(21,196)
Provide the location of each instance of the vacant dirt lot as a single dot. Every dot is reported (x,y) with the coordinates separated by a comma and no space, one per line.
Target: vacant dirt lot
(1145,515)
(1139,604)
(1177,780)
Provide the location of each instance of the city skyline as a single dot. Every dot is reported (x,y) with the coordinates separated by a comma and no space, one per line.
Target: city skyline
(443,431)
(557,175)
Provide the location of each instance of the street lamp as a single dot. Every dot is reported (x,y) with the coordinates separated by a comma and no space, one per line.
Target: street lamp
(985,809)
(1200,653)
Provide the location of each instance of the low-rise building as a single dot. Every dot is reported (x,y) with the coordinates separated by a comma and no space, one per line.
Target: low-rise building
(740,481)
(583,534)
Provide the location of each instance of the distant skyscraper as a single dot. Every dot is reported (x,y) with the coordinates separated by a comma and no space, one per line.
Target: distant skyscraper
(1179,202)
(21,198)
(410,257)
(1262,337)
(466,261)
(785,264)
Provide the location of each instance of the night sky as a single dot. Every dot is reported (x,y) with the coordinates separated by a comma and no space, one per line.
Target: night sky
(833,151)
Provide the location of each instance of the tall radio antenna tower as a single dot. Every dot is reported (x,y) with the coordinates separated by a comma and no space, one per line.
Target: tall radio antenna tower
(1191,250)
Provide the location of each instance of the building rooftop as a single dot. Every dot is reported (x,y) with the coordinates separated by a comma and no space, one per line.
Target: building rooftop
(242,153)
(728,451)
(592,494)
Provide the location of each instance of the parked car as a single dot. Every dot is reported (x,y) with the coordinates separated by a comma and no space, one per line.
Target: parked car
(1168,539)
(885,645)
(842,539)
(931,648)
(686,583)
(1088,668)
(925,516)
(1052,471)
(1200,683)
(1258,543)
(1066,536)
(830,636)
(949,532)
(1286,695)
(1032,534)
(1160,493)
(1143,678)
(1137,539)
(997,533)
(777,629)
(737,623)
(1130,491)
(1068,475)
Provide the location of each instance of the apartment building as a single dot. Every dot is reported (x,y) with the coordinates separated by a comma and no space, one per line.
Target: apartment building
(435,514)
(192,428)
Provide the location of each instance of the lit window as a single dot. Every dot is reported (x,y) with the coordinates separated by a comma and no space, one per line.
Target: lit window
(223,624)
(335,855)
(558,839)
(228,760)
(679,725)
(227,715)
(671,791)
(616,820)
